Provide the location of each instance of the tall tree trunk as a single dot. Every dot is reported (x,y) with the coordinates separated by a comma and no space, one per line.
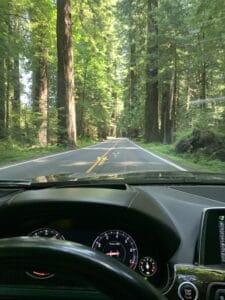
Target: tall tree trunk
(81,121)
(170,104)
(114,115)
(133,73)
(16,96)
(203,79)
(152,95)
(203,70)
(133,86)
(174,98)
(65,75)
(9,80)
(16,86)
(9,93)
(166,114)
(40,95)
(2,99)
(169,109)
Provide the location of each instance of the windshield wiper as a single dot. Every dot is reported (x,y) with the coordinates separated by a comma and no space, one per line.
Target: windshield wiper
(159,178)
(120,180)
(78,184)
(14,183)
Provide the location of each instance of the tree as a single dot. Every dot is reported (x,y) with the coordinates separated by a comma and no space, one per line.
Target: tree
(2,99)
(97,64)
(10,51)
(40,95)
(152,95)
(3,51)
(65,75)
(42,24)
(131,35)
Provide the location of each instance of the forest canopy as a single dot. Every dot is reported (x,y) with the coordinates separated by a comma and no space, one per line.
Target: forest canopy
(148,69)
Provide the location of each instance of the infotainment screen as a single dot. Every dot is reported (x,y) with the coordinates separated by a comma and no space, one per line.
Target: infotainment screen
(212,243)
(221,229)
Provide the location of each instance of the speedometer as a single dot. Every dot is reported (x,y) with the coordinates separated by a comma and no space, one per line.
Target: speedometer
(44,233)
(118,244)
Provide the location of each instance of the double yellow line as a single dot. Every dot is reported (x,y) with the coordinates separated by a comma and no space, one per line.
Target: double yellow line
(101,160)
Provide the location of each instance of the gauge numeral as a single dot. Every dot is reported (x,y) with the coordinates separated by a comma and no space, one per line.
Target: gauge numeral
(118,245)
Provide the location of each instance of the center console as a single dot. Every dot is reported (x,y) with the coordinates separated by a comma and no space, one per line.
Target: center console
(205,279)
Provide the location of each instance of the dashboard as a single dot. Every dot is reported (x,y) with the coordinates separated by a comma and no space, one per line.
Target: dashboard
(172,235)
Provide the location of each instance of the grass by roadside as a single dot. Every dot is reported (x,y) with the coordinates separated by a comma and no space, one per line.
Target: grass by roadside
(11,151)
(85,143)
(189,161)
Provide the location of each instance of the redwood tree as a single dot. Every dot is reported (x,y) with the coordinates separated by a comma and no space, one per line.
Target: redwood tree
(65,75)
(152,94)
(40,95)
(2,99)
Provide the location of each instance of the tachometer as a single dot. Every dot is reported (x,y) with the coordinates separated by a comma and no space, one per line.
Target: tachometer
(44,233)
(118,244)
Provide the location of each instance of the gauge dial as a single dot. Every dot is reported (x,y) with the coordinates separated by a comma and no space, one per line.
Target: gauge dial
(147,266)
(44,233)
(48,233)
(118,244)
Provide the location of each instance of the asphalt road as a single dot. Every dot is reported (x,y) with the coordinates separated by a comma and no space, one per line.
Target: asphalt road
(111,156)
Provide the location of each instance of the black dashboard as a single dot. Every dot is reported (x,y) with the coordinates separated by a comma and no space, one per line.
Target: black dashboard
(169,234)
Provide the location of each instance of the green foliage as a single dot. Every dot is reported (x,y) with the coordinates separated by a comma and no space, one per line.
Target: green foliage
(131,15)
(19,151)
(85,142)
(188,161)
(110,64)
(96,57)
(22,150)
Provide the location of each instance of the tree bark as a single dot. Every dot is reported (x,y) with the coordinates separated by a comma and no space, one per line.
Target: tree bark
(203,71)
(2,99)
(65,75)
(16,97)
(40,95)
(133,130)
(81,126)
(9,93)
(169,109)
(169,103)
(152,95)
(203,80)
(16,86)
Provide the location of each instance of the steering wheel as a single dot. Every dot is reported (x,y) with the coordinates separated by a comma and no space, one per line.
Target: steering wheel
(107,274)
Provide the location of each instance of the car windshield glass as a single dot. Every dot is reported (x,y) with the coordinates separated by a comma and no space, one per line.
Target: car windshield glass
(96,88)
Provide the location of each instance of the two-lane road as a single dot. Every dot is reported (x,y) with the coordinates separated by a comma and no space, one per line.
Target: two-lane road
(111,156)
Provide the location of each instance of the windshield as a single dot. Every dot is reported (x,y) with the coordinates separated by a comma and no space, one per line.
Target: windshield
(111,87)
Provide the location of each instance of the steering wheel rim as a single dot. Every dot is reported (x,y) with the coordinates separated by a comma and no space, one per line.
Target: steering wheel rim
(107,274)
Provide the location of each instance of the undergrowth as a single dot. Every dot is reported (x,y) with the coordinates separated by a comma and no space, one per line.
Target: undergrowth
(189,161)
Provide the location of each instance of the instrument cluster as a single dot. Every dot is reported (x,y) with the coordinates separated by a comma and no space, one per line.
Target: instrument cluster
(114,243)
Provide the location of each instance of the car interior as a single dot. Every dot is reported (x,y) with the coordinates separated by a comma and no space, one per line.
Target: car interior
(156,241)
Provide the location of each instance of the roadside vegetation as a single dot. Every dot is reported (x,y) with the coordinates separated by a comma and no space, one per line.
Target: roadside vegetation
(11,150)
(200,150)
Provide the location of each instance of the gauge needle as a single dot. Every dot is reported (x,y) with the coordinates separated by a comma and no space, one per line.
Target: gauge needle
(111,253)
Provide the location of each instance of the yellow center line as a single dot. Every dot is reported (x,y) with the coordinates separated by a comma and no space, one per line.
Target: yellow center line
(101,160)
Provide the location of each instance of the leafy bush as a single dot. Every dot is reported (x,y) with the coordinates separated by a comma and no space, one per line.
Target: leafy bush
(202,143)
